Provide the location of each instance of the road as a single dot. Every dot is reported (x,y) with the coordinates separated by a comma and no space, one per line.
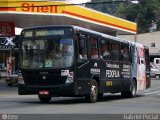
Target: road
(146,102)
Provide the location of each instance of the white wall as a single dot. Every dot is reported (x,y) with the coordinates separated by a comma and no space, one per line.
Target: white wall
(146,39)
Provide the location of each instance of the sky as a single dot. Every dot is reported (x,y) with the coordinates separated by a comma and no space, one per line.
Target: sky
(78,1)
(134,1)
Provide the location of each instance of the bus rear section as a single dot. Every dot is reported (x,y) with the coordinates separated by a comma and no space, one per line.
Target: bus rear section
(143,67)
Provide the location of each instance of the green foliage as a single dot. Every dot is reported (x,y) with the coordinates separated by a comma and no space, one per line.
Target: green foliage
(106,6)
(144,13)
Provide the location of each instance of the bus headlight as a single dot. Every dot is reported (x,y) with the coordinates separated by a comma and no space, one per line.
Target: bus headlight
(70,78)
(20,79)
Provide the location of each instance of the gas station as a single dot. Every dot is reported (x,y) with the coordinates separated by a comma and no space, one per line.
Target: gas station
(22,14)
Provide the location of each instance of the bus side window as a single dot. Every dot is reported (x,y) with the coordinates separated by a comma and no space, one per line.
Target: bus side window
(82,52)
(93,52)
(115,51)
(125,53)
(131,55)
(105,49)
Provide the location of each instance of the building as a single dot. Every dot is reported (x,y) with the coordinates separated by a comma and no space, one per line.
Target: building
(152,40)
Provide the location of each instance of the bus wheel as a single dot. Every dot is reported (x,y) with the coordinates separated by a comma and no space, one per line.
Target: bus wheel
(92,96)
(133,89)
(44,99)
(132,92)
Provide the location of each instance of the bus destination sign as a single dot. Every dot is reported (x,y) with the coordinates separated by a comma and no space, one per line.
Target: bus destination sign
(44,33)
(41,33)
(27,34)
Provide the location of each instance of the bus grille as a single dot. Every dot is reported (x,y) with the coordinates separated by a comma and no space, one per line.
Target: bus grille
(49,79)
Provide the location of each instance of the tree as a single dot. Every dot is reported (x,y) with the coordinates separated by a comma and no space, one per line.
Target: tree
(144,13)
(106,6)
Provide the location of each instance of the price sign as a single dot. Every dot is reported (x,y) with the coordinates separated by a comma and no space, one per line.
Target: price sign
(7,29)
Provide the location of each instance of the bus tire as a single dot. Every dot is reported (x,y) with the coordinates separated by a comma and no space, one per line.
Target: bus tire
(44,99)
(133,89)
(93,94)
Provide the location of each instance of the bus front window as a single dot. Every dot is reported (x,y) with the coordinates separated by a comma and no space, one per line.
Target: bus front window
(50,53)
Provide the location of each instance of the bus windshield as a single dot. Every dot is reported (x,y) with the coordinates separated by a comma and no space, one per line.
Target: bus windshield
(49,53)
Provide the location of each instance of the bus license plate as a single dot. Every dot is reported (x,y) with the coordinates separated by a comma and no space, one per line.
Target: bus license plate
(44,92)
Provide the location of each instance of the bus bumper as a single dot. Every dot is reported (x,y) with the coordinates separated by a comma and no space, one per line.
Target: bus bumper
(60,90)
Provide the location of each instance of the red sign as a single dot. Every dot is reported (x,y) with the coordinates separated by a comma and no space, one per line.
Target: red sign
(26,7)
(7,29)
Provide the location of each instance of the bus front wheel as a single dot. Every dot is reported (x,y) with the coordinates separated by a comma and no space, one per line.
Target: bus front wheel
(44,99)
(93,94)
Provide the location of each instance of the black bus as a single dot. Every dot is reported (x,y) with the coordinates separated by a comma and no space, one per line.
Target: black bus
(68,60)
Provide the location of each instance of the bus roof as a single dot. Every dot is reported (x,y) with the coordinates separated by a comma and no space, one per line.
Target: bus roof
(77,28)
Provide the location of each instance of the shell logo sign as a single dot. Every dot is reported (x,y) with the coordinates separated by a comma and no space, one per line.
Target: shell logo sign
(36,7)
(31,7)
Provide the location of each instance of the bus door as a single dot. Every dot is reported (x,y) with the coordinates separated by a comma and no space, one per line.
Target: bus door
(95,59)
(82,66)
(88,67)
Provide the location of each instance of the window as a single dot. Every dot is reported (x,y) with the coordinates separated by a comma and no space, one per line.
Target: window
(47,53)
(115,46)
(157,62)
(153,44)
(82,47)
(125,53)
(94,53)
(115,51)
(105,49)
(93,43)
